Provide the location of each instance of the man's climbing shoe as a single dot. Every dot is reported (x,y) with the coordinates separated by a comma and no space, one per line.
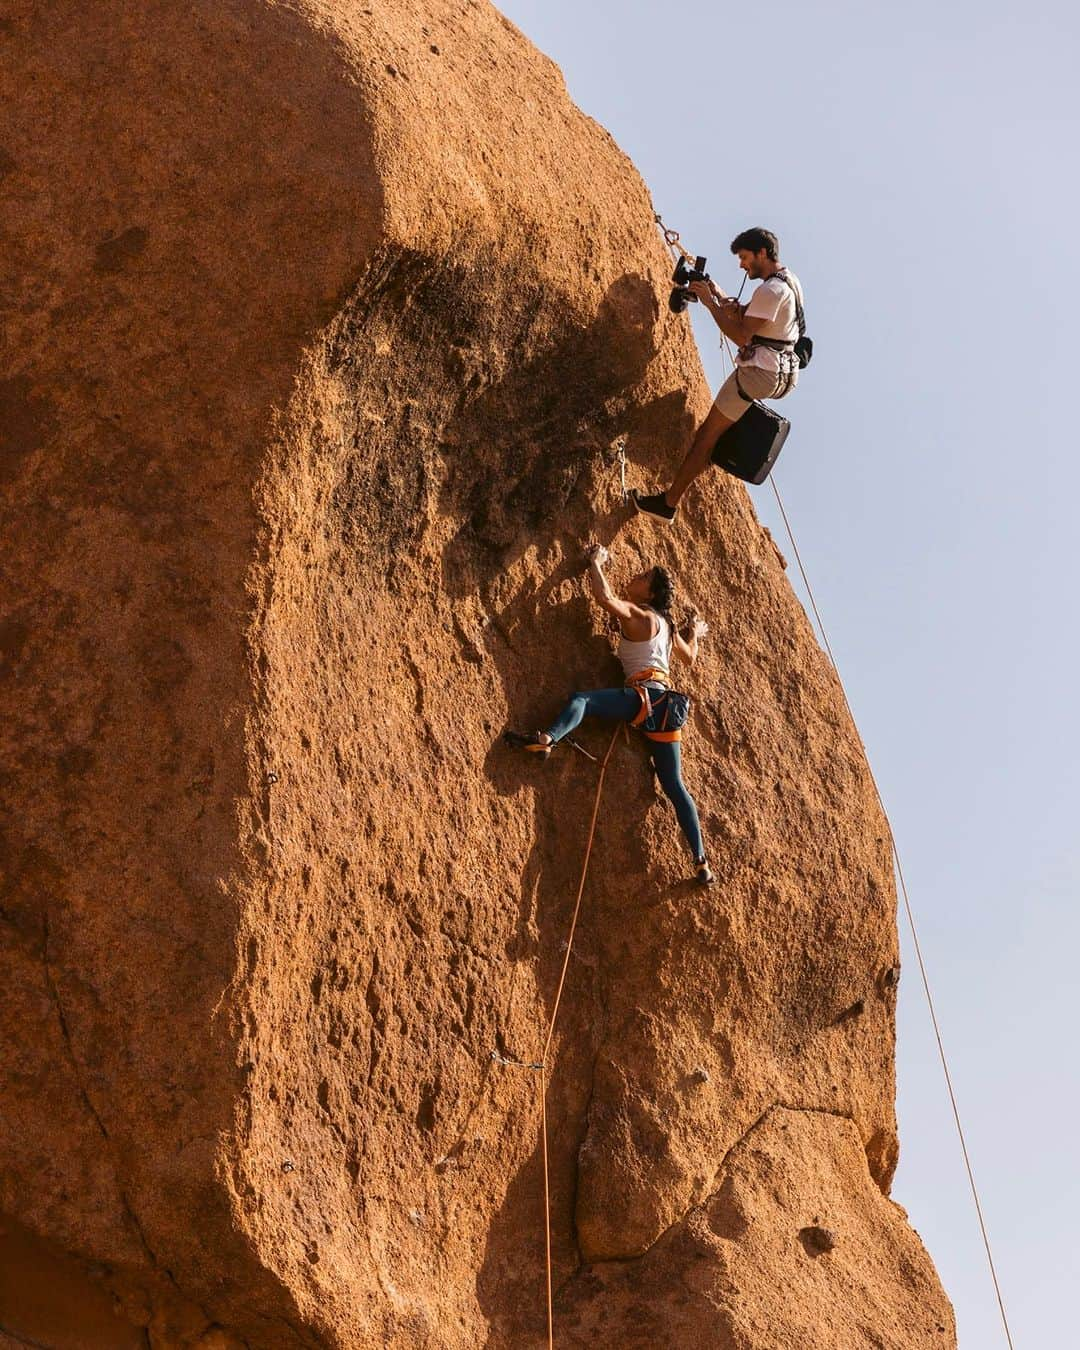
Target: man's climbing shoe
(703,873)
(533,742)
(656,505)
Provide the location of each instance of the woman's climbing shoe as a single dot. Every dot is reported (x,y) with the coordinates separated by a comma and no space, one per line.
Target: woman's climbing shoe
(703,873)
(534,742)
(655,505)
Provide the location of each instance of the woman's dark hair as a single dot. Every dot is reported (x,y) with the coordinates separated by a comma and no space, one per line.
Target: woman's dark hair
(662,595)
(756,240)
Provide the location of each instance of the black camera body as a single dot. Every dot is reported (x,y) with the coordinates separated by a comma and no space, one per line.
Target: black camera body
(683,275)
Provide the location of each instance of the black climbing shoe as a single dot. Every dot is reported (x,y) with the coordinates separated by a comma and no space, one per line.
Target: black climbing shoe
(653,506)
(531,742)
(703,873)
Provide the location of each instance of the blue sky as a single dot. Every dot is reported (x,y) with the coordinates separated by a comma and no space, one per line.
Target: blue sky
(920,167)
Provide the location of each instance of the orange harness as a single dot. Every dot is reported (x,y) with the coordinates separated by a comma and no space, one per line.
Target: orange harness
(638,683)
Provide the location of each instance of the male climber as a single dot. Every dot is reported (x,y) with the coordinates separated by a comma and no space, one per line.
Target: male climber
(766,366)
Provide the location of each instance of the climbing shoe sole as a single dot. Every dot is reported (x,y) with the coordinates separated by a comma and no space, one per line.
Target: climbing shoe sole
(533,744)
(653,506)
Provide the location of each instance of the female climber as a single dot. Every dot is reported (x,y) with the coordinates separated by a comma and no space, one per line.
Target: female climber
(647,639)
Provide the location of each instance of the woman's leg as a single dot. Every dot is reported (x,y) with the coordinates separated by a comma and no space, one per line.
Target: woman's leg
(667,756)
(620,704)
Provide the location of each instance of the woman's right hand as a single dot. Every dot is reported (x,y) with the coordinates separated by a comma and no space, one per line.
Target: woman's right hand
(698,627)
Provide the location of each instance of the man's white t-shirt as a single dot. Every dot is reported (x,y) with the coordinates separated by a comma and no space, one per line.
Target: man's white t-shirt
(774,302)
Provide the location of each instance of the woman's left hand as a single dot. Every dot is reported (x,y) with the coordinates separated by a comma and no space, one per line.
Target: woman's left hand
(597,553)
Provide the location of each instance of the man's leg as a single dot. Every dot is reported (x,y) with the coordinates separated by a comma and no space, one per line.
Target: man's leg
(698,457)
(725,412)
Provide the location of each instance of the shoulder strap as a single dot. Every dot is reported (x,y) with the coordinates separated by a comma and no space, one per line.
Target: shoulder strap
(781,275)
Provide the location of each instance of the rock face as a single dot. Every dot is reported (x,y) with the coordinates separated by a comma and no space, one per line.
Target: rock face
(322,322)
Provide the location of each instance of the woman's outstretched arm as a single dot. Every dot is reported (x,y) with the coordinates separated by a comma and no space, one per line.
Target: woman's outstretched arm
(636,621)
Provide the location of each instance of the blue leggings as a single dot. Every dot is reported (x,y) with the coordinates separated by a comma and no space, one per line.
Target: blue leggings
(622,705)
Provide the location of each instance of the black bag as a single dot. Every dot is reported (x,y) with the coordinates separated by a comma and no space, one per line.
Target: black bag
(749,448)
(670,709)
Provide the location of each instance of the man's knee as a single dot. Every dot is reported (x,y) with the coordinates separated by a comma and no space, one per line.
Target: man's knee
(714,426)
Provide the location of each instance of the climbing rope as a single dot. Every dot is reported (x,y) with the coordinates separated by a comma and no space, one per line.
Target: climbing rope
(551,1029)
(908,910)
(910,918)
(540,1066)
(671,238)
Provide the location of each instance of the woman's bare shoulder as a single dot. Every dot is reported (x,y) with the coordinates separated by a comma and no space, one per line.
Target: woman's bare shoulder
(642,623)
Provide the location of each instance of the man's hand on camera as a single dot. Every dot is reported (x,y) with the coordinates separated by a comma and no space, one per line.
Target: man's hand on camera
(704,290)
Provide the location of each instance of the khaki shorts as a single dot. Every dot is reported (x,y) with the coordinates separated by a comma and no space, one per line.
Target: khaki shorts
(756,383)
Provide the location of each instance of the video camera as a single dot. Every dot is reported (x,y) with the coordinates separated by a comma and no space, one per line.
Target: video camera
(683,275)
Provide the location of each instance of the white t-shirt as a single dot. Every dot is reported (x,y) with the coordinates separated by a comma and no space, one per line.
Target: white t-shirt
(774,302)
(651,653)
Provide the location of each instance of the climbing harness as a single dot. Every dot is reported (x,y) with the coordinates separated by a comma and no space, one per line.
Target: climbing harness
(803,346)
(663,715)
(792,354)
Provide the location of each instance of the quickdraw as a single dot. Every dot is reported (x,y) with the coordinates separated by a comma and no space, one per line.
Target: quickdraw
(671,238)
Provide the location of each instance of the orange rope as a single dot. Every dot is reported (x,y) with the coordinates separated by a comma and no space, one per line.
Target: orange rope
(551,1032)
(580,892)
(910,918)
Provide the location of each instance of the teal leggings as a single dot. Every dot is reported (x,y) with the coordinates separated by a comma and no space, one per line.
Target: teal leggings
(622,705)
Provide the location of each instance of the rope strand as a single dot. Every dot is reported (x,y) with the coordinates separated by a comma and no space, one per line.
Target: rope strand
(672,240)
(908,910)
(551,1032)
(910,918)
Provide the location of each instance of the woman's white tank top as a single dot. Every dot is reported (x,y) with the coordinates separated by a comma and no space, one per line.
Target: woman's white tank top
(654,652)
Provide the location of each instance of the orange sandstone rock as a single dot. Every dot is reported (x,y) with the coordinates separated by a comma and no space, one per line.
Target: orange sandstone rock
(321,323)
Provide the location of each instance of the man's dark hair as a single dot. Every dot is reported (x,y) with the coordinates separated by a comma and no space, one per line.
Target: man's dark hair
(757,239)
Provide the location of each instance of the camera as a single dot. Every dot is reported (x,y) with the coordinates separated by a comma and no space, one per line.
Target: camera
(683,275)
